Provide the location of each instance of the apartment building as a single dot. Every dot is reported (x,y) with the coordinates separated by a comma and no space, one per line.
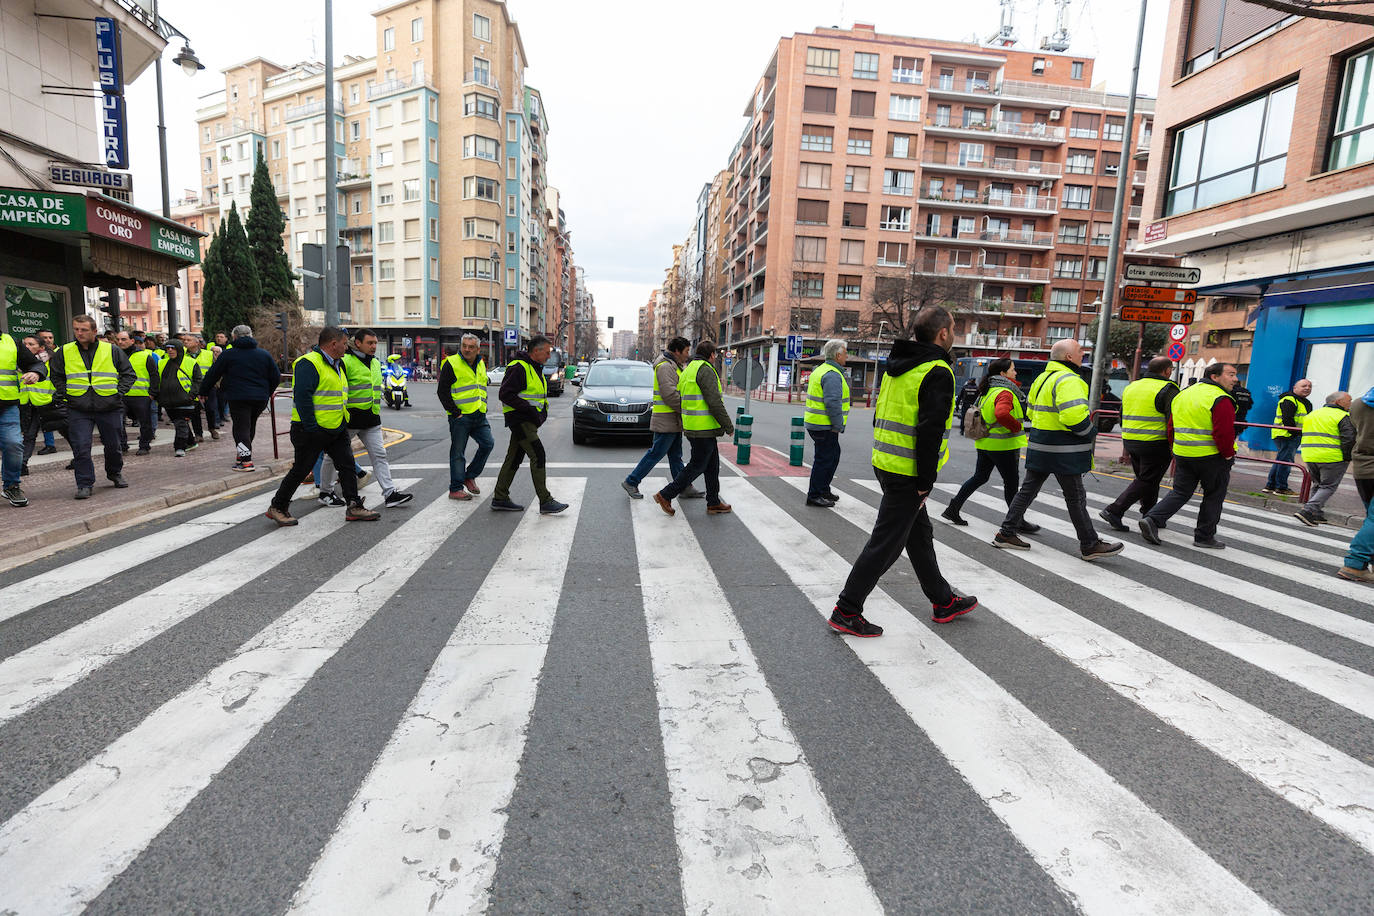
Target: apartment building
(1265,138)
(871,158)
(646,342)
(441,153)
(623,344)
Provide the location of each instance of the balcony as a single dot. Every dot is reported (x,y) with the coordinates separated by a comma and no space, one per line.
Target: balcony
(346,181)
(896,190)
(1134,214)
(761,230)
(312,108)
(393,86)
(1001,341)
(363,250)
(1011,308)
(959,162)
(1138,178)
(952,86)
(481,78)
(1002,238)
(1016,203)
(1007,273)
(1026,133)
(1133,251)
(756,300)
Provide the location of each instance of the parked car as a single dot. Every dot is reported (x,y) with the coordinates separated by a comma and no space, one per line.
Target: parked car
(496,375)
(553,373)
(614,400)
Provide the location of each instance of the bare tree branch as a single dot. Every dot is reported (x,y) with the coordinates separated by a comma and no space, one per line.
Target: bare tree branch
(1320,9)
(899,293)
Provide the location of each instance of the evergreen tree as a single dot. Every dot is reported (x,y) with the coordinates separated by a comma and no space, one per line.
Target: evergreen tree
(216,294)
(265,232)
(232,292)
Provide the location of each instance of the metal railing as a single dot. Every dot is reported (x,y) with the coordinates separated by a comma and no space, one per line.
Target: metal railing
(481,78)
(1038,203)
(311,108)
(1020,129)
(994,164)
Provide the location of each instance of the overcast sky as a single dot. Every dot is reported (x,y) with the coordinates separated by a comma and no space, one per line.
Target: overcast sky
(644,100)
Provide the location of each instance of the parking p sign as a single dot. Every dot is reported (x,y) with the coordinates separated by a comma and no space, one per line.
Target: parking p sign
(512,336)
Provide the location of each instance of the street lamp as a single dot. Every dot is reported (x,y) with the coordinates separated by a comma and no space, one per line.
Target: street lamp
(491,296)
(190,65)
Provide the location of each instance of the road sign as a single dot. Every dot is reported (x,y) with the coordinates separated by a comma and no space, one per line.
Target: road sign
(1178,332)
(747,373)
(793,349)
(1159,294)
(1158,315)
(512,336)
(1154,273)
(1176,351)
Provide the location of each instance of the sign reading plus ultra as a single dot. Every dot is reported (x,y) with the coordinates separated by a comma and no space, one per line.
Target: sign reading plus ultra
(110,68)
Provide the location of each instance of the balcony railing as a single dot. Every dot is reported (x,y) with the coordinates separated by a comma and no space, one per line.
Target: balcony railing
(481,78)
(1138,179)
(1134,213)
(1010,272)
(391,86)
(757,298)
(1004,341)
(899,190)
(910,77)
(1038,203)
(959,160)
(1013,237)
(1021,130)
(951,84)
(1005,306)
(309,109)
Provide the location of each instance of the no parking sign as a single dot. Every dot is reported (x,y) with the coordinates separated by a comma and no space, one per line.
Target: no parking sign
(1176,351)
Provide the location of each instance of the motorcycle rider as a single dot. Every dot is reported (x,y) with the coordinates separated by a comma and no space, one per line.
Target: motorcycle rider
(393,370)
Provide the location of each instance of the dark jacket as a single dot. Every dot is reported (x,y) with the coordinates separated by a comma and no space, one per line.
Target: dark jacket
(1362,455)
(89,401)
(1288,414)
(170,394)
(933,403)
(1043,452)
(244,372)
(446,380)
(1244,401)
(710,392)
(511,386)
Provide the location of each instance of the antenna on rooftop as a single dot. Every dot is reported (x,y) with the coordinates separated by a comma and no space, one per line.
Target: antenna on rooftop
(1059,41)
(1006,33)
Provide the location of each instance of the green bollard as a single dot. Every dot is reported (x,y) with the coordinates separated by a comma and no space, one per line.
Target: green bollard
(739,412)
(798,450)
(744,433)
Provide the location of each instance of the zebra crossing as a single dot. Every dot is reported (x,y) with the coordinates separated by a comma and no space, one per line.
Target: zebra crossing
(1165,732)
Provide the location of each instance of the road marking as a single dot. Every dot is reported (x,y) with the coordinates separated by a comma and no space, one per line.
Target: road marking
(1107,850)
(1341,685)
(1294,529)
(67,845)
(43,588)
(424,830)
(1308,773)
(751,822)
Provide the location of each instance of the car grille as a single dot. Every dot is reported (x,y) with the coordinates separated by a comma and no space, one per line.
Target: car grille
(612,407)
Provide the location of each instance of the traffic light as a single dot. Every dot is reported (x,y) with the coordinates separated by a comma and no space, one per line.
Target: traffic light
(279,320)
(610,322)
(109,304)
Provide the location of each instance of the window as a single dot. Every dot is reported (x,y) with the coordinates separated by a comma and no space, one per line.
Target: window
(1076,70)
(481,71)
(433,230)
(1111,163)
(860,142)
(907,70)
(319,203)
(386,269)
(1038,66)
(410,108)
(1069,267)
(814,175)
(417,30)
(817,138)
(1063,300)
(386,232)
(357,203)
(1077,197)
(901,146)
(434,190)
(317,132)
(433,109)
(932,224)
(851,251)
(808,286)
(1106,197)
(856,178)
(1080,162)
(1219,27)
(411,228)
(1237,152)
(865,66)
(478,307)
(512,210)
(481,147)
(808,248)
(384,156)
(854,216)
(353,96)
(1114,128)
(302,207)
(1058,332)
(386,194)
(512,167)
(483,106)
(481,27)
(861,104)
(1073,233)
(1084,125)
(1352,137)
(823,61)
(848,286)
(433,150)
(479,229)
(412,269)
(477,269)
(480,189)
(975,117)
(412,306)
(388,39)
(892,254)
(1097,268)
(904,108)
(899,218)
(1102,233)
(819,99)
(210,160)
(383,115)
(812,212)
(898,181)
(410,189)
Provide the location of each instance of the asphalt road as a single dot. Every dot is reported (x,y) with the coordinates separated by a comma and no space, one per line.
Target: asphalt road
(613,711)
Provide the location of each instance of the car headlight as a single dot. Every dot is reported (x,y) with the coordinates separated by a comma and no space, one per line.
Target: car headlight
(582,402)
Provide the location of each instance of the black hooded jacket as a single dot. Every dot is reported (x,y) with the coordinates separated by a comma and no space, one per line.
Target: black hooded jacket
(934,401)
(244,372)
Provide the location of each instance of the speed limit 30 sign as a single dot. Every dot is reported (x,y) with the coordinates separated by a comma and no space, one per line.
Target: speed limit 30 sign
(1178,332)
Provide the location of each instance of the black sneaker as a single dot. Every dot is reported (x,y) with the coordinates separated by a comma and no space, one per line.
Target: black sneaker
(16,496)
(1009,542)
(330,498)
(506,505)
(853,624)
(1209,543)
(552,507)
(397,498)
(1113,520)
(833,497)
(144,451)
(692,493)
(953,517)
(958,605)
(1149,530)
(1307,518)
(1102,549)
(1284,491)
(1028,528)
(119,482)
(47,450)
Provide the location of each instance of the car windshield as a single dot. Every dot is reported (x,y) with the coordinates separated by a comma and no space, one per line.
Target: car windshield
(621,377)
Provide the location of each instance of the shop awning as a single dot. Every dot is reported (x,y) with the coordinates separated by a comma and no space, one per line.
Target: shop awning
(121,262)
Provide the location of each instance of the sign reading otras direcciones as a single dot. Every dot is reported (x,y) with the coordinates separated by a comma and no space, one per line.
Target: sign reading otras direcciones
(34,210)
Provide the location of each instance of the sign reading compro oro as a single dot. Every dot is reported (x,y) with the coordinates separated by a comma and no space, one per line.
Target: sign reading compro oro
(41,210)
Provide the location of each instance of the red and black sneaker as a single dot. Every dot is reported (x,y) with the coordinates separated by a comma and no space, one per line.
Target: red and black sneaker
(944,613)
(853,624)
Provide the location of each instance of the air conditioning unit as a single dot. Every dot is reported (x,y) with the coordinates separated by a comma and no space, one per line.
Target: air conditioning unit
(1046,184)
(1056,115)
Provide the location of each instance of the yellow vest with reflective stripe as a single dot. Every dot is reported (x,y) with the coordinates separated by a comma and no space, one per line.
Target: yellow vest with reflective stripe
(1321,436)
(1140,421)
(186,370)
(999,437)
(364,384)
(102,375)
(204,359)
(1298,413)
(139,360)
(536,390)
(39,394)
(9,369)
(894,429)
(329,396)
(659,406)
(696,416)
(1192,415)
(816,416)
(469,389)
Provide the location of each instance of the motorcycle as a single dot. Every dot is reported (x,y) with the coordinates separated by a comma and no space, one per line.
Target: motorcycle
(394,391)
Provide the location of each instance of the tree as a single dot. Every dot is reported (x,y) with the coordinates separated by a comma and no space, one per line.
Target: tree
(897,296)
(1123,336)
(265,232)
(1320,9)
(232,290)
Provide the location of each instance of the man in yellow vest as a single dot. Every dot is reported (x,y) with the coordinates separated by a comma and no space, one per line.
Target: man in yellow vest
(910,445)
(665,420)
(1061,443)
(1328,439)
(18,368)
(364,399)
(90,378)
(704,420)
(1289,412)
(525,404)
(319,390)
(827,412)
(462,389)
(138,403)
(1202,419)
(1144,429)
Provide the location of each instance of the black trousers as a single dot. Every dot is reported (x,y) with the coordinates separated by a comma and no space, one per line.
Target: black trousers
(1075,499)
(244,415)
(1214,474)
(81,430)
(902,523)
(308,446)
(704,462)
(1150,462)
(1007,463)
(212,411)
(140,409)
(825,461)
(524,441)
(1365,487)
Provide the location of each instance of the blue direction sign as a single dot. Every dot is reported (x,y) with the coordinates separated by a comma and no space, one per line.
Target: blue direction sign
(512,336)
(793,349)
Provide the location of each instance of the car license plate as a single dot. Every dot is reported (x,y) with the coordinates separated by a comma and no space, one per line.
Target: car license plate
(623,418)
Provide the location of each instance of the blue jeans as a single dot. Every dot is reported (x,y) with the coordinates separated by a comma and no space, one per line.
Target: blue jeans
(1362,545)
(12,441)
(50,442)
(1278,474)
(462,427)
(319,461)
(669,444)
(824,463)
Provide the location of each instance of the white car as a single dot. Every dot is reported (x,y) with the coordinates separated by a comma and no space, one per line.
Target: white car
(496,375)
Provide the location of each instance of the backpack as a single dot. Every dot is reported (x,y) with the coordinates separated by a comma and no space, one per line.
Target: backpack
(975,427)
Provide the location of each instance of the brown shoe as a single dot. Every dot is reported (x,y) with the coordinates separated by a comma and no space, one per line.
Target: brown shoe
(718,509)
(1356,575)
(471,486)
(281,517)
(357,512)
(458,494)
(665,504)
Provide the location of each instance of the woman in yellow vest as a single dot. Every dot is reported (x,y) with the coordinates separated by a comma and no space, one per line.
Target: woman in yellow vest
(1003,407)
(18,368)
